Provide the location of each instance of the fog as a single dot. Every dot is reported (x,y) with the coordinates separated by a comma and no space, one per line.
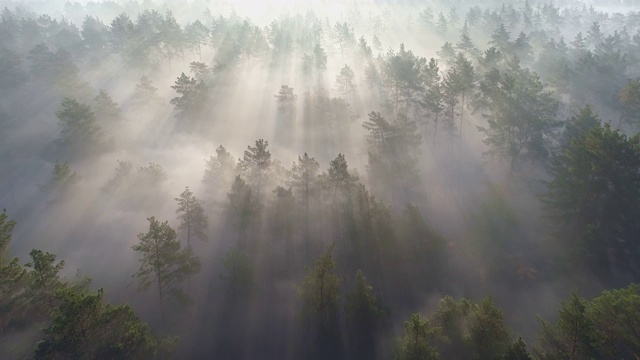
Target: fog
(108,110)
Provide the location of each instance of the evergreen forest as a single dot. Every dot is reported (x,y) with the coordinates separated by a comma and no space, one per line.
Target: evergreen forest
(356,179)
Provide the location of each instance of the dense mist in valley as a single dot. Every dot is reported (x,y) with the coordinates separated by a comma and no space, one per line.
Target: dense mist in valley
(319,179)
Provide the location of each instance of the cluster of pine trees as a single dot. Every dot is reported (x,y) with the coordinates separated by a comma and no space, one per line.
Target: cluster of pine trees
(256,258)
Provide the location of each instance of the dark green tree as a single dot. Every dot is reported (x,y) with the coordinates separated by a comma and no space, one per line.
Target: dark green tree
(320,295)
(594,197)
(255,164)
(80,134)
(164,264)
(471,330)
(433,95)
(6,233)
(237,274)
(629,100)
(43,282)
(82,326)
(521,115)
(242,208)
(192,97)
(572,337)
(416,344)
(615,317)
(304,175)
(401,77)
(339,176)
(579,125)
(365,319)
(465,82)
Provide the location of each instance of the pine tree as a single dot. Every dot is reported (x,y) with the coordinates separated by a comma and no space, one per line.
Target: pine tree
(339,177)
(629,99)
(304,179)
(365,318)
(192,99)
(145,94)
(82,326)
(106,110)
(344,82)
(255,164)
(416,344)
(465,83)
(574,335)
(164,264)
(192,217)
(80,133)
(320,295)
(219,173)
(6,230)
(242,208)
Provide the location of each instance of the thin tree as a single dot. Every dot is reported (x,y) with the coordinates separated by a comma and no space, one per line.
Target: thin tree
(164,263)
(192,217)
(304,175)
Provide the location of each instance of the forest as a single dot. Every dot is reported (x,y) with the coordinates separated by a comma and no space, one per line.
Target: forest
(356,179)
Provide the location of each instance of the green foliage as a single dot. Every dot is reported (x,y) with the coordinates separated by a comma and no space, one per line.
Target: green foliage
(416,344)
(629,99)
(573,336)
(255,164)
(470,330)
(83,327)
(13,280)
(345,84)
(242,207)
(192,217)
(164,264)
(43,281)
(393,153)
(237,274)
(593,197)
(339,177)
(579,125)
(424,247)
(320,294)
(617,322)
(497,238)
(80,133)
(517,351)
(6,232)
(521,115)
(365,317)
(192,97)
(106,110)
(401,76)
